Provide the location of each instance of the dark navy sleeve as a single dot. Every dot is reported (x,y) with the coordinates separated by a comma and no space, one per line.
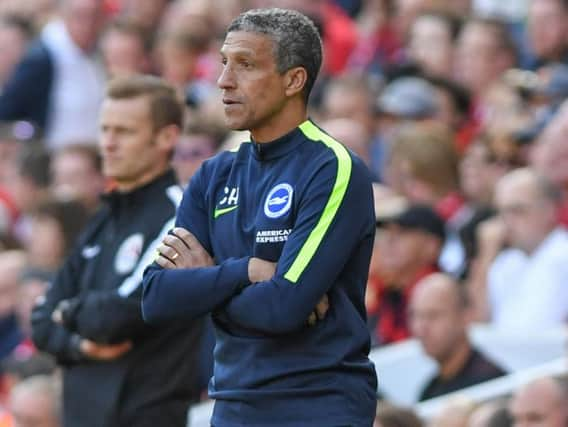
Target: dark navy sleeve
(47,335)
(335,214)
(25,96)
(190,293)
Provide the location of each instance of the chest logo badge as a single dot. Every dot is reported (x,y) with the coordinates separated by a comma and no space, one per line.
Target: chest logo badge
(278,201)
(129,253)
(91,251)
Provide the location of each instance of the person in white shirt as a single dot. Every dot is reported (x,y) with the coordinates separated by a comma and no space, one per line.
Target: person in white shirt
(59,84)
(528,281)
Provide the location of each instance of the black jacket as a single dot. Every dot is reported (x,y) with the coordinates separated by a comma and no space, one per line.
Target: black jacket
(154,383)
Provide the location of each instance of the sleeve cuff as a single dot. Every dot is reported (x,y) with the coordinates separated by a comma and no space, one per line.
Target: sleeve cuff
(238,268)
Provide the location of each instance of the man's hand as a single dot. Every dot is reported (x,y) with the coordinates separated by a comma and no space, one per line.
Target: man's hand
(181,249)
(320,312)
(65,313)
(102,351)
(260,270)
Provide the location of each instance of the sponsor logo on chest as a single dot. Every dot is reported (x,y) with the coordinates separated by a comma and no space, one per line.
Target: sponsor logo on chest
(272,236)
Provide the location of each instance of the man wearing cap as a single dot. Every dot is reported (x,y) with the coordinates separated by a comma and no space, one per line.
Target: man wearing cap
(410,98)
(407,248)
(404,99)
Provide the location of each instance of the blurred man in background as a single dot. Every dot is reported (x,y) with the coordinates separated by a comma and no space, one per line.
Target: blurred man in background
(546,33)
(542,402)
(90,319)
(527,280)
(407,248)
(15,34)
(439,319)
(59,83)
(36,401)
(77,175)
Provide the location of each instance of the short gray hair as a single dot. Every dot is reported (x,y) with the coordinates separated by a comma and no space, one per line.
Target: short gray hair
(297,42)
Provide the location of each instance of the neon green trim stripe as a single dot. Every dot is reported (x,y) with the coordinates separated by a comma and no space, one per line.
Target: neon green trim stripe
(313,241)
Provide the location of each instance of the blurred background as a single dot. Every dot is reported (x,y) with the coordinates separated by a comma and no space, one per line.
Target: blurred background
(458,107)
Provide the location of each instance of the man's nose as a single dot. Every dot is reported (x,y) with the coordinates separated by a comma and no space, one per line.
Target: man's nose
(227,79)
(107,141)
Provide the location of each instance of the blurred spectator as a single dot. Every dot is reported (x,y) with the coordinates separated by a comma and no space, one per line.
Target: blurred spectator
(11,266)
(146,13)
(406,99)
(431,45)
(55,226)
(352,134)
(542,402)
(550,156)
(196,144)
(16,368)
(406,13)
(13,135)
(379,45)
(394,416)
(59,83)
(15,34)
(545,91)
(439,318)
(32,285)
(454,105)
(125,49)
(77,175)
(484,51)
(423,167)
(547,33)
(407,248)
(504,114)
(36,402)
(480,168)
(91,319)
(29,186)
(177,57)
(36,11)
(550,152)
(350,97)
(527,280)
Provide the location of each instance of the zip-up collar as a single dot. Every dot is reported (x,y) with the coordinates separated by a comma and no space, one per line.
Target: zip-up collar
(279,147)
(140,194)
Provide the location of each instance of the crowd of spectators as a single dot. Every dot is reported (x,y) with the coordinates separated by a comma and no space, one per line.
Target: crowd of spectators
(458,107)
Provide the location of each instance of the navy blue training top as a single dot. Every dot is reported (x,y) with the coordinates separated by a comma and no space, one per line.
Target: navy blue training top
(305,202)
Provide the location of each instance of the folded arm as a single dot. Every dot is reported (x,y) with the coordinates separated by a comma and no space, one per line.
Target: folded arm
(334,216)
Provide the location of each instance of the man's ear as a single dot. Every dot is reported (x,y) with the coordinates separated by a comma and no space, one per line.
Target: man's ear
(295,80)
(167,137)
